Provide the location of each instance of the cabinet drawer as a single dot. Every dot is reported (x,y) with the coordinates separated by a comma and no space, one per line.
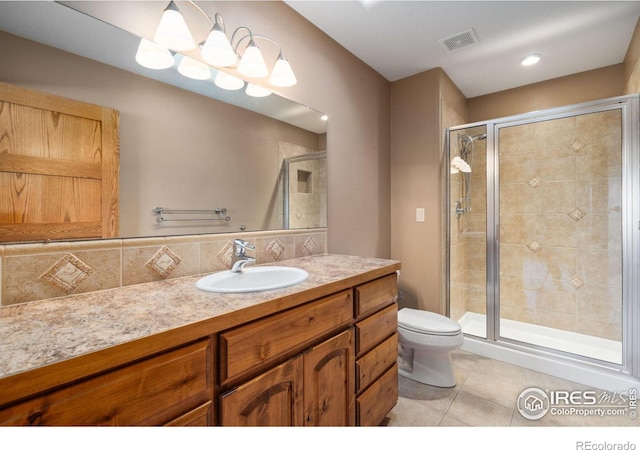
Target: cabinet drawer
(251,348)
(201,416)
(375,328)
(150,392)
(376,294)
(376,402)
(376,362)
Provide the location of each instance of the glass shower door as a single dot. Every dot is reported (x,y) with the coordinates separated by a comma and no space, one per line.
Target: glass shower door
(560,233)
(468,229)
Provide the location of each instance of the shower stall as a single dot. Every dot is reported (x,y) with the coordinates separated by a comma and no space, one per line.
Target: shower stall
(543,240)
(304,190)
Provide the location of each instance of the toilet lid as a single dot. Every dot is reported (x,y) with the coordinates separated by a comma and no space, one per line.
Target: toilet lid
(427,322)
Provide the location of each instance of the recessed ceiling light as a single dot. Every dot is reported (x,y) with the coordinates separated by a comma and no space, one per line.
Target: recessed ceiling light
(530,60)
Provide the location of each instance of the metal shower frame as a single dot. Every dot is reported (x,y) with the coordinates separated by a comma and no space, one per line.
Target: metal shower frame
(630,110)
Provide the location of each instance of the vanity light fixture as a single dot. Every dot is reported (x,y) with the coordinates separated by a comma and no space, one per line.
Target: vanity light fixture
(530,60)
(217,50)
(153,56)
(254,90)
(196,70)
(173,31)
(227,81)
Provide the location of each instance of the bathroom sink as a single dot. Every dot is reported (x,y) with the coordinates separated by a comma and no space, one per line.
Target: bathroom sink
(252,279)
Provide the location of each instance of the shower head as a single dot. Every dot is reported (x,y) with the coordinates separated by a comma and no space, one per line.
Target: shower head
(477,137)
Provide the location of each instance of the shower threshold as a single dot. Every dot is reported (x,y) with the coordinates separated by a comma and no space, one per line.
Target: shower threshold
(578,344)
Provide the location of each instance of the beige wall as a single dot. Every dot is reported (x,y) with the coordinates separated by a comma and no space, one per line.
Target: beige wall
(356,98)
(417,130)
(632,64)
(330,80)
(581,87)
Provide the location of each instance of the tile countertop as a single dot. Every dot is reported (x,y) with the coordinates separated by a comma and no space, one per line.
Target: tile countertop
(40,333)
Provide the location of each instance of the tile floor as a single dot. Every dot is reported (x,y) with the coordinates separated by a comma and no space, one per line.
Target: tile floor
(485,395)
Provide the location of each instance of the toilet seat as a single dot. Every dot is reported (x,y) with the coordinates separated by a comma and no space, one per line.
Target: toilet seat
(426,322)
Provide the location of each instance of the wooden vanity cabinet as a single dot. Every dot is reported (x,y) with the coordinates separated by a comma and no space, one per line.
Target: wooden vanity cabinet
(314,387)
(326,362)
(174,388)
(376,349)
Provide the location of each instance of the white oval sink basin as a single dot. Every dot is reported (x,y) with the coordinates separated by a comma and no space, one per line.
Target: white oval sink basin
(252,279)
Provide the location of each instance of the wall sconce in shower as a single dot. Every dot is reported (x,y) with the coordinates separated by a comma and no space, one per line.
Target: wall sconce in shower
(217,50)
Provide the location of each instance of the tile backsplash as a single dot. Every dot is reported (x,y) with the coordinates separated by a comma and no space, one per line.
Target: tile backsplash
(37,271)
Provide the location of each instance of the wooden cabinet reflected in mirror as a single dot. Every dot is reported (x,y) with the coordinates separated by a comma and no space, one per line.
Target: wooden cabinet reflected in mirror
(58,167)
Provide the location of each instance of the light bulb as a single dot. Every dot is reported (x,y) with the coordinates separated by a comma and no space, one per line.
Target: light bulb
(282,75)
(252,63)
(191,68)
(172,31)
(153,56)
(229,82)
(257,91)
(217,50)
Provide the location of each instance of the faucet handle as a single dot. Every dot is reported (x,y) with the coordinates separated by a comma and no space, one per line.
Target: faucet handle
(241,245)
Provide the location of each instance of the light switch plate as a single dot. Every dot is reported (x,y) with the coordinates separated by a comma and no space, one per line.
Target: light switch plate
(419,214)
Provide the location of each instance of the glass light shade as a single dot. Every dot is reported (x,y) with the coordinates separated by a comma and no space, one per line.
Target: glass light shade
(173,32)
(282,75)
(252,63)
(257,91)
(153,56)
(191,68)
(217,50)
(225,81)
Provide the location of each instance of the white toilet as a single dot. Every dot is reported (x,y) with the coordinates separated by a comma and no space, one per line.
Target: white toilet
(426,340)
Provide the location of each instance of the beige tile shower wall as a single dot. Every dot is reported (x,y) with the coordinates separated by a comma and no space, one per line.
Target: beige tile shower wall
(41,271)
(560,214)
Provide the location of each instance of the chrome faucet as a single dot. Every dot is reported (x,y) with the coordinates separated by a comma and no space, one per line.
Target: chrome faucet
(238,258)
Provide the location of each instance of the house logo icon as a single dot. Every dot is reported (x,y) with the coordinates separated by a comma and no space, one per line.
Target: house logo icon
(533,403)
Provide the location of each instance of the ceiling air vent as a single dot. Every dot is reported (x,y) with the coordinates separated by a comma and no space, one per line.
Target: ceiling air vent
(458,41)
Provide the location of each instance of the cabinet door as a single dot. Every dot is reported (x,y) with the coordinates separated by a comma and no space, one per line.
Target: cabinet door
(329,382)
(271,399)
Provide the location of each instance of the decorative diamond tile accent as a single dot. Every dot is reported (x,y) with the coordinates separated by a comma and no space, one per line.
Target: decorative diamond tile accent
(225,255)
(310,245)
(576,281)
(68,273)
(534,182)
(275,248)
(576,214)
(577,145)
(163,262)
(534,246)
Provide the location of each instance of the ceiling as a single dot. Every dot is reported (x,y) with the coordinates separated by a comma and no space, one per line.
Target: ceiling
(396,38)
(401,38)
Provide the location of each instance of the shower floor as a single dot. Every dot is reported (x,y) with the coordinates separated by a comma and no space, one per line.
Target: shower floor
(567,341)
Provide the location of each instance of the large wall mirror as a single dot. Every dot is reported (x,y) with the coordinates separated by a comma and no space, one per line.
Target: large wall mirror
(184,144)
